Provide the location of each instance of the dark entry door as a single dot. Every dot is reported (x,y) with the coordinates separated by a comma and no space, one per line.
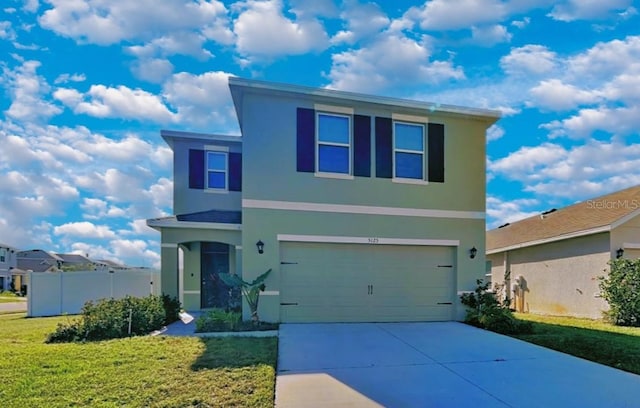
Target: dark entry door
(214,261)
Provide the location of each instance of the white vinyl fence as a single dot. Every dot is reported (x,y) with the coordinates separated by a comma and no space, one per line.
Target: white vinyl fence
(57,293)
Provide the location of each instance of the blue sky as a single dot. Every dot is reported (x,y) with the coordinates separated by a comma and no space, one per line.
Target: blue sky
(88,84)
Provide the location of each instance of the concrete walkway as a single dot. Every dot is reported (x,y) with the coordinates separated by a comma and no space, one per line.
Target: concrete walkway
(10,307)
(436,365)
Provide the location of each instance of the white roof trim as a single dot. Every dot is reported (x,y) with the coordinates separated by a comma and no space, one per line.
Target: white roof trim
(626,218)
(570,235)
(367,240)
(352,96)
(172,222)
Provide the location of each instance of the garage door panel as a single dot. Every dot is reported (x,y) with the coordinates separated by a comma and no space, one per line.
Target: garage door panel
(351,282)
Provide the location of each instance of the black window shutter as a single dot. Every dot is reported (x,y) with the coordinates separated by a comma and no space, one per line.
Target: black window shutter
(306,140)
(384,148)
(436,152)
(196,169)
(362,146)
(235,172)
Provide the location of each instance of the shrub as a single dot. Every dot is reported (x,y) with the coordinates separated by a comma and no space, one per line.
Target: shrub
(485,311)
(621,289)
(116,318)
(218,320)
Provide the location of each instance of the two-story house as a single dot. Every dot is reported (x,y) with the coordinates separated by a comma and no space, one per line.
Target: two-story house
(365,208)
(8,264)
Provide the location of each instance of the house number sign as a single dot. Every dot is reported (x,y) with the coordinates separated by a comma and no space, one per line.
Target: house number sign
(374,240)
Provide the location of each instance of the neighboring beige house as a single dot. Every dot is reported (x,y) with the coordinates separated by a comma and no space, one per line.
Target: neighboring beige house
(550,263)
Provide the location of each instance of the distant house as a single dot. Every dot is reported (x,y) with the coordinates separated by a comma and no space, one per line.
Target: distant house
(552,261)
(26,257)
(8,265)
(365,208)
(76,262)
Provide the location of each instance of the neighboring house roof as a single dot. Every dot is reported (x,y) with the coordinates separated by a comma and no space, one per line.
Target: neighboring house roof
(239,85)
(74,259)
(584,218)
(107,262)
(7,246)
(36,265)
(39,254)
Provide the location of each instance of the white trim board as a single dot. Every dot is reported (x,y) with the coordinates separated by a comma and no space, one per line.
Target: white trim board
(191,292)
(631,245)
(360,209)
(367,240)
(174,223)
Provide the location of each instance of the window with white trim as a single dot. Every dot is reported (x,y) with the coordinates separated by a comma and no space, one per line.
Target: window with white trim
(333,147)
(217,170)
(3,255)
(409,150)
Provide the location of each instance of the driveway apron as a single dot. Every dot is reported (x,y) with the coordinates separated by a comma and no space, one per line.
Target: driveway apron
(446,364)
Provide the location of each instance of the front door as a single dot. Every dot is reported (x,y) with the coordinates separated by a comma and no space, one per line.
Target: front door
(214,261)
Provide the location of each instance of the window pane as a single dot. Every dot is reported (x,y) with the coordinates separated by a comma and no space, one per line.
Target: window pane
(333,159)
(409,165)
(333,129)
(216,161)
(217,179)
(409,137)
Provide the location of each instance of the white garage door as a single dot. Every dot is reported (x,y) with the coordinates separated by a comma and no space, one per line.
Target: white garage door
(323,282)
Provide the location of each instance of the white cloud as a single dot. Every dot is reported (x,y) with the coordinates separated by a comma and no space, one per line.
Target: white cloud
(28,91)
(6,31)
(571,10)
(361,20)
(521,23)
(529,59)
(494,132)
(108,22)
(453,15)
(201,100)
(572,172)
(555,95)
(64,78)
(31,5)
(391,61)
(121,102)
(177,43)
(263,31)
(155,70)
(621,121)
(490,35)
(504,211)
(84,229)
(606,60)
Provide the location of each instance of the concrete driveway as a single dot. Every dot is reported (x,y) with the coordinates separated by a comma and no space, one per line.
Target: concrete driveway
(436,365)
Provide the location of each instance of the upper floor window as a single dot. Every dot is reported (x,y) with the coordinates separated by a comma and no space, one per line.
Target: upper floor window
(217,170)
(334,143)
(409,150)
(3,254)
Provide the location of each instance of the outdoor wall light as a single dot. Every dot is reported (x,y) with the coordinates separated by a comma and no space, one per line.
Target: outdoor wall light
(619,253)
(260,246)
(472,252)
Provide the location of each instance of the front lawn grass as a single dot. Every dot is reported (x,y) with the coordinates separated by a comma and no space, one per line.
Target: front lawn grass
(593,340)
(6,299)
(134,372)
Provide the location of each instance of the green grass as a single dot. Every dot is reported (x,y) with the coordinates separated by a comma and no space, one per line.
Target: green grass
(10,299)
(593,340)
(135,372)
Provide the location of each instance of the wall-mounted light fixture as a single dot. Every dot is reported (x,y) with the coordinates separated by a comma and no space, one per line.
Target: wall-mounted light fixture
(619,253)
(260,246)
(473,252)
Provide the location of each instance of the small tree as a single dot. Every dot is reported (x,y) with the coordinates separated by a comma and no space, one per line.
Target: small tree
(621,289)
(251,291)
